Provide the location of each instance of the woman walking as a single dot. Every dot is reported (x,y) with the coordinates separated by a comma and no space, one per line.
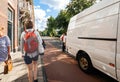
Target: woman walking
(30,52)
(4,47)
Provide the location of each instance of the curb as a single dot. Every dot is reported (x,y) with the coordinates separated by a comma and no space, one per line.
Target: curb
(43,70)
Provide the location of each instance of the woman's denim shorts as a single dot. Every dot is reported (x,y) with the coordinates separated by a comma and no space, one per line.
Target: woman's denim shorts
(29,60)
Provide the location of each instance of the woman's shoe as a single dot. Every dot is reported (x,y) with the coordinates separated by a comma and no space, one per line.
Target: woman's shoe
(36,80)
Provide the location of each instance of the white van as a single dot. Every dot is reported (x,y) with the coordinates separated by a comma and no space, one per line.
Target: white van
(93,37)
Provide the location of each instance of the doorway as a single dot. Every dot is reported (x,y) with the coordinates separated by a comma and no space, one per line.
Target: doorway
(10,33)
(10,27)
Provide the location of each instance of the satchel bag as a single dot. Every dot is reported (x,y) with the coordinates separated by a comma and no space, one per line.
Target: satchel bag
(8,66)
(6,69)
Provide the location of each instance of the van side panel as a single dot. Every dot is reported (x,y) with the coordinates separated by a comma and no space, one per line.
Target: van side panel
(101,52)
(118,52)
(96,34)
(102,4)
(99,24)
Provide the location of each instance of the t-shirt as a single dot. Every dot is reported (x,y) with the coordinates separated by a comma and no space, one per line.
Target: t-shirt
(63,38)
(31,55)
(4,43)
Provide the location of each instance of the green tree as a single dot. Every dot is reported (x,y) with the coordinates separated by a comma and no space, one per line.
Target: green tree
(76,6)
(45,32)
(62,21)
(51,23)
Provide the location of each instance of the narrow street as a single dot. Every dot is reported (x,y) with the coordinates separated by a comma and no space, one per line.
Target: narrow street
(90,28)
(60,67)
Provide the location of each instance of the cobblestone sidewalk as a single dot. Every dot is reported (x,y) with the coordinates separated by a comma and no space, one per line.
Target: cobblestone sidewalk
(19,71)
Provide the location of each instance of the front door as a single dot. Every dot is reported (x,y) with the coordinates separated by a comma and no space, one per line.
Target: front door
(10,33)
(10,26)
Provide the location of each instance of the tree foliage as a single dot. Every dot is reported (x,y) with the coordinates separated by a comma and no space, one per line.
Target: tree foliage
(59,24)
(51,23)
(61,20)
(76,6)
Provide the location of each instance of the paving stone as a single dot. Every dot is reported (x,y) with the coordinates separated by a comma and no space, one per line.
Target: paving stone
(19,71)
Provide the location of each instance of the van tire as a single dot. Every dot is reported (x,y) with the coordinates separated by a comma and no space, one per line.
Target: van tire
(84,63)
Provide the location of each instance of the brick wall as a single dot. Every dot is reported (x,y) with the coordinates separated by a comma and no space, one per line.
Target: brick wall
(12,5)
(3,15)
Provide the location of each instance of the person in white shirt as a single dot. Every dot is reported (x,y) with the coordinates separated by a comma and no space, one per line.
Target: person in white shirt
(63,39)
(30,58)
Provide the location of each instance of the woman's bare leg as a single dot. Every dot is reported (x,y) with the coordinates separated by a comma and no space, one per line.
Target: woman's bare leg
(35,69)
(30,71)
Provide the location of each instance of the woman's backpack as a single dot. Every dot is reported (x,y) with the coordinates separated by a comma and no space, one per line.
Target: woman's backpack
(30,42)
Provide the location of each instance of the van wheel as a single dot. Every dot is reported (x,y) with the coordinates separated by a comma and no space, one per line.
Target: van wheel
(85,63)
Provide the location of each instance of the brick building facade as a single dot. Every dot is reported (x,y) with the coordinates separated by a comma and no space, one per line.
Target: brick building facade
(9,20)
(13,14)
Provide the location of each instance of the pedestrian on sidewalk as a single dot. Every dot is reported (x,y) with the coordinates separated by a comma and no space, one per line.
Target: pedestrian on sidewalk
(4,48)
(30,42)
(63,39)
